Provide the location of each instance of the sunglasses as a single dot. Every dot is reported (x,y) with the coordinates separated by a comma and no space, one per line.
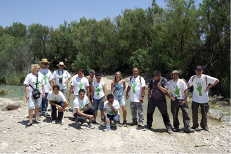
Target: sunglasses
(117,74)
(98,78)
(61,65)
(45,63)
(111,101)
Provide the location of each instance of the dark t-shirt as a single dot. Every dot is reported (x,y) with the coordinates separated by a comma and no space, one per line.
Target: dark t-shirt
(156,92)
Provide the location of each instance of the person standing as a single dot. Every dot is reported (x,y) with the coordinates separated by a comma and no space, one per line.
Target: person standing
(117,89)
(57,100)
(34,81)
(79,82)
(137,83)
(178,91)
(62,78)
(91,79)
(201,84)
(99,92)
(157,89)
(47,78)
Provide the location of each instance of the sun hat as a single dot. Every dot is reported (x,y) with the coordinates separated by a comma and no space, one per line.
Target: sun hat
(61,63)
(175,71)
(44,60)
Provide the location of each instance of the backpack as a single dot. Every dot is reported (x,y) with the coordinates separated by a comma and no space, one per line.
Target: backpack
(162,81)
(139,78)
(205,80)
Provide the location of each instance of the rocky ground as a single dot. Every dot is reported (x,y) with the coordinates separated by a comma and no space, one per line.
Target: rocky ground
(45,137)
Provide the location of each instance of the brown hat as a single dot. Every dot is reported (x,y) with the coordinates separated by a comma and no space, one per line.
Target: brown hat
(61,63)
(175,71)
(44,60)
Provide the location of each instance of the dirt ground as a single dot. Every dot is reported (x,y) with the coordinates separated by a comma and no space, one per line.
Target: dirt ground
(67,138)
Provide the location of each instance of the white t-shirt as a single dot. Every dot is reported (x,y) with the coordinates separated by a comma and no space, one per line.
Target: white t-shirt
(80,104)
(31,79)
(47,76)
(98,89)
(79,83)
(176,89)
(64,75)
(56,98)
(136,88)
(115,104)
(199,87)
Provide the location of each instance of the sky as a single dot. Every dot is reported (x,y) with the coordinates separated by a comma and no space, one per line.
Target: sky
(54,12)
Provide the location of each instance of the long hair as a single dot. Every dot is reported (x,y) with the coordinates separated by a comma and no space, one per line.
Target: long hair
(120,76)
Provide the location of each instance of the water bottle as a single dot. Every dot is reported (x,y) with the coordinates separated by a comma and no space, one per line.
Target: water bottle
(108,125)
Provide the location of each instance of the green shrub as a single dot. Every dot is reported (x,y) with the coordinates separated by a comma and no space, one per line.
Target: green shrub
(15,78)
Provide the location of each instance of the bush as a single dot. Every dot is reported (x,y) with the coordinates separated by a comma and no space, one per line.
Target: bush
(225,86)
(15,78)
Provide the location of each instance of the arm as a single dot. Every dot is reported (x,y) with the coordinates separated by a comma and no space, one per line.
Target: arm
(70,92)
(124,83)
(105,115)
(105,92)
(128,89)
(92,94)
(112,88)
(44,96)
(186,96)
(51,83)
(68,80)
(115,110)
(142,95)
(164,90)
(26,91)
(88,92)
(210,86)
(83,114)
(149,93)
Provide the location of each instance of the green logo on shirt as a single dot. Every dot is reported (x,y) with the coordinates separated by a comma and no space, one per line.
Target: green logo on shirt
(45,78)
(112,112)
(199,88)
(56,100)
(97,90)
(37,85)
(134,87)
(177,91)
(83,106)
(80,85)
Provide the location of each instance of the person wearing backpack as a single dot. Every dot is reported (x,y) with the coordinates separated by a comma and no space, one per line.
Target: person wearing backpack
(200,83)
(34,83)
(137,83)
(157,89)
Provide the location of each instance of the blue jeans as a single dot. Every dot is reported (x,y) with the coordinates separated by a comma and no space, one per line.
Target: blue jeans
(115,118)
(97,103)
(43,108)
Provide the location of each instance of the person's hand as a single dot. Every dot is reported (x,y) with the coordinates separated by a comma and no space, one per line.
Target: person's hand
(27,97)
(66,82)
(104,100)
(141,100)
(50,89)
(173,98)
(127,96)
(44,96)
(185,102)
(59,108)
(69,98)
(106,120)
(158,84)
(92,102)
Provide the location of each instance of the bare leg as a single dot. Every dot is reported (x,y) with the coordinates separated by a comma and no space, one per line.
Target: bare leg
(101,114)
(31,115)
(95,114)
(36,114)
(124,112)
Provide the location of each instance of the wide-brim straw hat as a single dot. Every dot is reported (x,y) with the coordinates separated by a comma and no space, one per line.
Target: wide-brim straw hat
(61,63)
(44,60)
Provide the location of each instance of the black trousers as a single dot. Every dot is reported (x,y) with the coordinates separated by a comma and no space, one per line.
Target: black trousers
(204,111)
(89,111)
(54,112)
(175,106)
(162,106)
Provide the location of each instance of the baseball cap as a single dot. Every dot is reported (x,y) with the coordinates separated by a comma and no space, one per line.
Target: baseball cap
(199,68)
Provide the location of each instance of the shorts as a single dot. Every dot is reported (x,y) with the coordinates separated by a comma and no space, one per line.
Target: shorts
(34,103)
(97,103)
(121,100)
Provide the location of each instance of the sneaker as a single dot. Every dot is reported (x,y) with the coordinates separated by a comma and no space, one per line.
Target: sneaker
(91,126)
(194,127)
(116,126)
(53,121)
(29,124)
(134,123)
(94,121)
(125,122)
(189,130)
(36,121)
(78,125)
(46,115)
(176,129)
(148,127)
(206,128)
(61,122)
(140,124)
(101,123)
(169,131)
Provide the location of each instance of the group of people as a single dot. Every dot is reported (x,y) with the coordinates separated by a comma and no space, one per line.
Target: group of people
(90,94)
